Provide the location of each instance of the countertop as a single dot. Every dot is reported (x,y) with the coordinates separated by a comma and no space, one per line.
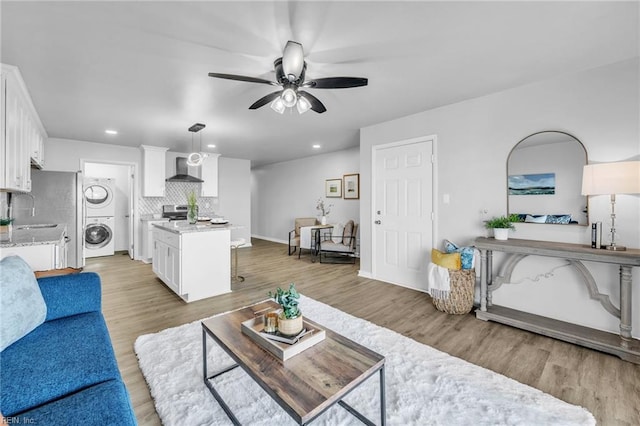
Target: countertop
(33,235)
(153,217)
(183,227)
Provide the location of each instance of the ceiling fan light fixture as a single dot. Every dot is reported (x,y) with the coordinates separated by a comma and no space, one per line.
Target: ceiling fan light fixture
(303,105)
(277,105)
(289,97)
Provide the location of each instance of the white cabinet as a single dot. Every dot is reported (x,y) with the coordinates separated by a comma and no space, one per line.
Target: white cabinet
(209,175)
(195,265)
(147,238)
(40,257)
(37,148)
(166,259)
(23,136)
(153,170)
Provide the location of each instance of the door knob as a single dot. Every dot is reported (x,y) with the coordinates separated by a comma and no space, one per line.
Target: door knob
(377,222)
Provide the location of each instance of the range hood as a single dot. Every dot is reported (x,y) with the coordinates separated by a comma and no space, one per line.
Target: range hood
(182,172)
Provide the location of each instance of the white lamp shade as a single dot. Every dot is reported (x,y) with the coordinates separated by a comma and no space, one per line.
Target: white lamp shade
(303,105)
(289,97)
(611,178)
(292,60)
(277,105)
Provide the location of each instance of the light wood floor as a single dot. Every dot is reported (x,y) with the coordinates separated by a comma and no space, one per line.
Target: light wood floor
(135,302)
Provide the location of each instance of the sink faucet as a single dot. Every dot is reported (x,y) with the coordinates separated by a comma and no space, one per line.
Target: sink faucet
(33,201)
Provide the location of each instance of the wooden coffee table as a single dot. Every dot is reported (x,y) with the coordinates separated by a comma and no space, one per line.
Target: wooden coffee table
(305,385)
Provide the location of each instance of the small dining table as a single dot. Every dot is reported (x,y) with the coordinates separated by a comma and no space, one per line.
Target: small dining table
(310,239)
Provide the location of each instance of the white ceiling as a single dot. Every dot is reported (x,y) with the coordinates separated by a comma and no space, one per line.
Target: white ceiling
(141,67)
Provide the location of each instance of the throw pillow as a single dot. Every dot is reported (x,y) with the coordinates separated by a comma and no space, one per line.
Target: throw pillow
(536,218)
(466,253)
(336,233)
(446,260)
(346,234)
(22,307)
(563,219)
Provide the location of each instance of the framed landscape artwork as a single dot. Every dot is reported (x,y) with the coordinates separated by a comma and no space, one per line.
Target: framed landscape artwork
(351,186)
(532,184)
(333,188)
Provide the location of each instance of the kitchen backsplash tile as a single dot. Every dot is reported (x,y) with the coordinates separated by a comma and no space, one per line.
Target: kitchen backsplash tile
(176,193)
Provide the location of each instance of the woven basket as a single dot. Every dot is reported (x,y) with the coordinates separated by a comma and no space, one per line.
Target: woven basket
(460,300)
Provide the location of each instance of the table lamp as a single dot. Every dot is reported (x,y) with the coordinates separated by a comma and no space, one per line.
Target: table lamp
(611,179)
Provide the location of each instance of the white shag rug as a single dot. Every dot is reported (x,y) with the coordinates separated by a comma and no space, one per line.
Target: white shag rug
(423,385)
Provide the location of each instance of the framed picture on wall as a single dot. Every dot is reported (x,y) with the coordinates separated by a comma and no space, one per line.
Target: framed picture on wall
(351,186)
(533,184)
(333,188)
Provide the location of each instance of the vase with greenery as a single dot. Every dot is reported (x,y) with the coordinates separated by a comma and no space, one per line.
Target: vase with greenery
(192,207)
(324,210)
(290,319)
(501,225)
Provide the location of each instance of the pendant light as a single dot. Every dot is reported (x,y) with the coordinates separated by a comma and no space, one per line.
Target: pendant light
(196,158)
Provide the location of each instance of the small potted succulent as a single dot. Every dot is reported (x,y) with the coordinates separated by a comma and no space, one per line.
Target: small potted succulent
(501,226)
(5,228)
(290,319)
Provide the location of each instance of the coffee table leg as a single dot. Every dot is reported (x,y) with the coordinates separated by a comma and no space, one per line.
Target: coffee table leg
(209,385)
(383,411)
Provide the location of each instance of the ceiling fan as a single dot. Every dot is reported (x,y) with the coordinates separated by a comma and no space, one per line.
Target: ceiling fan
(290,74)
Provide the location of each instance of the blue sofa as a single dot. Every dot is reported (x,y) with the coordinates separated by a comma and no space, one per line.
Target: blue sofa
(65,370)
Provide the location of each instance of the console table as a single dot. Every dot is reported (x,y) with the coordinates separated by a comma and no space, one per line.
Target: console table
(622,345)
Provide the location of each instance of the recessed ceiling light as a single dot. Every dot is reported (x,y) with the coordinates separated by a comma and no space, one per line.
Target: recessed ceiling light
(111,132)
(316,146)
(211,145)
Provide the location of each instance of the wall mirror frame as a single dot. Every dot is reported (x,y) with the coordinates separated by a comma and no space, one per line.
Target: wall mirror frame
(544,179)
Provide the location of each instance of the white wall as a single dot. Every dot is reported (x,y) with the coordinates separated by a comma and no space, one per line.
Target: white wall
(284,191)
(234,195)
(600,107)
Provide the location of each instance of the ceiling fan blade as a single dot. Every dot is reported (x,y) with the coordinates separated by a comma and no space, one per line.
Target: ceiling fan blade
(265,100)
(242,78)
(336,83)
(316,105)
(292,60)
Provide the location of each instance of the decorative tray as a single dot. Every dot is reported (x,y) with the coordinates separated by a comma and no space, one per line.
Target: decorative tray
(311,334)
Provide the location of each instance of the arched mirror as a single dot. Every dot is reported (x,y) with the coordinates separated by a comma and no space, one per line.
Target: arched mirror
(544,179)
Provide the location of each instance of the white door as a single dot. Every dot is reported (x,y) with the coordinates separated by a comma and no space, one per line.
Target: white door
(403,215)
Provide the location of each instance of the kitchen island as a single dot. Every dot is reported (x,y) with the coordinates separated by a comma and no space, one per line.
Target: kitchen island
(194,261)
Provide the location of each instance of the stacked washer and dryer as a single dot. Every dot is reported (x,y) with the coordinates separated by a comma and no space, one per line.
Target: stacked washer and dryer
(99,200)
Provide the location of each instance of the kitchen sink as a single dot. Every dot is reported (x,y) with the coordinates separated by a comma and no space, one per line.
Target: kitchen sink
(37,226)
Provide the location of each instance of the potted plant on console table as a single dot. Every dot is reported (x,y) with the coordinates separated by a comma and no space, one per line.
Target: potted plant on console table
(501,226)
(290,319)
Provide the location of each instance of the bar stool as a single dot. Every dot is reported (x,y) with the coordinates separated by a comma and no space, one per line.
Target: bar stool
(234,246)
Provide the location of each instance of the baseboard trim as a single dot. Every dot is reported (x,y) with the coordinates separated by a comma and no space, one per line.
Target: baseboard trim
(365,274)
(273,240)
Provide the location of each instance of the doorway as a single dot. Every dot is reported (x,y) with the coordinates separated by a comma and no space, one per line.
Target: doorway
(403,202)
(123,176)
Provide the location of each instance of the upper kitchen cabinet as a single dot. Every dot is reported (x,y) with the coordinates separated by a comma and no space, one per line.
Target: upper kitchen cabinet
(22,138)
(153,170)
(209,175)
